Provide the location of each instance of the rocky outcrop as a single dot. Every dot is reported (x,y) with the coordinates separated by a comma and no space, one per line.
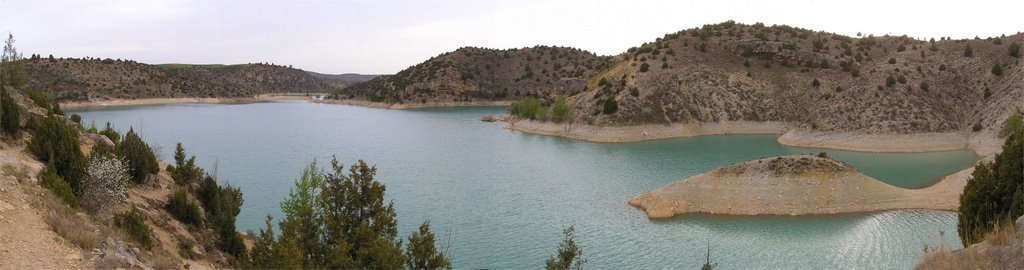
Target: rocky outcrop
(793,185)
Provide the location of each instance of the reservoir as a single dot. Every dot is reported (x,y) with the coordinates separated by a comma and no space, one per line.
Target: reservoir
(505,196)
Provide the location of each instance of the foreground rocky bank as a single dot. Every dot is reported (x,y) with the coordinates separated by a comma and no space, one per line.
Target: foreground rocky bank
(794,185)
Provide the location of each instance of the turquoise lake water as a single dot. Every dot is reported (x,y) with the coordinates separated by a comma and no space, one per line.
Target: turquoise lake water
(505,196)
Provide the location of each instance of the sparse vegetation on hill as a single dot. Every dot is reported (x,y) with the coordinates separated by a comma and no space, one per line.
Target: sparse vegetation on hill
(479,74)
(761,73)
(79,79)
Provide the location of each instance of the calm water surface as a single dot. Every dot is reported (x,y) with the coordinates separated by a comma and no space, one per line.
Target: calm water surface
(505,196)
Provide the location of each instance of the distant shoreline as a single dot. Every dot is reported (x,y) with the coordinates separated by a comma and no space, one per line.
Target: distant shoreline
(982,144)
(413,105)
(161,101)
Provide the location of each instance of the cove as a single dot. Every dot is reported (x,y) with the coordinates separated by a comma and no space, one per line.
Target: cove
(506,195)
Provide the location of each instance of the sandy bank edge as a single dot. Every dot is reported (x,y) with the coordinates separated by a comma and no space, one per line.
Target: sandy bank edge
(669,201)
(430,104)
(618,134)
(982,143)
(160,101)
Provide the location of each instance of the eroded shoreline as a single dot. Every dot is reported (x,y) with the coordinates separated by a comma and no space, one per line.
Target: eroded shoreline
(413,105)
(982,144)
(161,101)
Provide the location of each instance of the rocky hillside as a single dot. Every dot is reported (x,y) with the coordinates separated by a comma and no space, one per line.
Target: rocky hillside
(94,79)
(340,81)
(818,80)
(479,74)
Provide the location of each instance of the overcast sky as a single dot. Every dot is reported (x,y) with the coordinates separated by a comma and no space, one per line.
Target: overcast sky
(367,36)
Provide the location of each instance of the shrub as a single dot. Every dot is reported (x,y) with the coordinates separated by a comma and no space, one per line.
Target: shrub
(569,255)
(993,194)
(976,127)
(644,67)
(634,92)
(664,65)
(825,64)
(185,172)
(50,180)
(53,141)
(10,122)
(135,227)
(183,209)
(968,52)
(610,106)
(892,60)
(997,69)
(890,81)
(823,155)
(901,79)
(111,134)
(815,82)
(527,108)
(1011,124)
(76,118)
(560,111)
(38,97)
(942,67)
(107,183)
(924,86)
(1014,49)
(139,157)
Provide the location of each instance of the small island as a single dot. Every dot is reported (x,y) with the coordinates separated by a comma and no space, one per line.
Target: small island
(793,185)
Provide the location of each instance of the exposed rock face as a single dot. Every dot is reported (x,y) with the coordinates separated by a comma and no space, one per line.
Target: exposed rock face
(479,74)
(735,72)
(80,80)
(793,185)
(114,253)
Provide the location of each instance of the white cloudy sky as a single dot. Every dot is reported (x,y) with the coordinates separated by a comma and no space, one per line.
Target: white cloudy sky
(367,36)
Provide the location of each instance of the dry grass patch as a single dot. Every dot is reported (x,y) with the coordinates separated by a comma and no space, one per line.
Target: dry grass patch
(67,222)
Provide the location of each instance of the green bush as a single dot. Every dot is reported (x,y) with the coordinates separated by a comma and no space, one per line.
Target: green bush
(10,123)
(184,210)
(527,108)
(634,92)
(644,67)
(997,69)
(135,227)
(110,133)
(610,106)
(892,60)
(38,97)
(924,86)
(815,82)
(76,118)
(1011,124)
(139,156)
(890,81)
(53,141)
(1014,49)
(968,52)
(994,194)
(50,180)
(560,111)
(901,79)
(976,127)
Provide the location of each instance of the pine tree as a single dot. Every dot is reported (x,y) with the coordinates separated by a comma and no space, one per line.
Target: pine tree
(139,156)
(422,253)
(569,255)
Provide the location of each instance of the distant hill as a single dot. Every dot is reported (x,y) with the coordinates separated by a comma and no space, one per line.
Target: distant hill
(342,80)
(480,74)
(92,79)
(821,81)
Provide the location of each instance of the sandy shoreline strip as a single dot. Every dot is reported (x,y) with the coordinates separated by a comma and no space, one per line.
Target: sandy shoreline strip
(983,144)
(754,190)
(618,134)
(414,105)
(160,101)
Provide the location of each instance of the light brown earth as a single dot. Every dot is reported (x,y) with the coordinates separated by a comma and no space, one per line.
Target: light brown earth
(794,185)
(26,241)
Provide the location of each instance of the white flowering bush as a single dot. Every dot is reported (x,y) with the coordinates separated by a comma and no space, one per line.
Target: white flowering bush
(107,183)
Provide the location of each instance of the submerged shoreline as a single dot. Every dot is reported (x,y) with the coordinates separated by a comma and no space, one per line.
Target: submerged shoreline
(982,144)
(161,101)
(402,106)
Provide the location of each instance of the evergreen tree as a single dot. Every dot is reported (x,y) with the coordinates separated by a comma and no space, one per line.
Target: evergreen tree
(138,154)
(9,114)
(12,64)
(354,210)
(569,255)
(53,141)
(994,194)
(422,253)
